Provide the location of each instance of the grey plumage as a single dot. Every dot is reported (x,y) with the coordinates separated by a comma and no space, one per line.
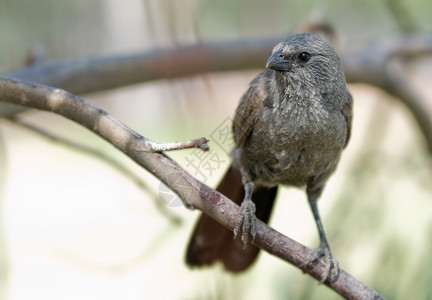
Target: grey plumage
(290,128)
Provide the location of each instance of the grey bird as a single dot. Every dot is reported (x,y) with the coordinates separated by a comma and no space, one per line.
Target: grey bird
(290,128)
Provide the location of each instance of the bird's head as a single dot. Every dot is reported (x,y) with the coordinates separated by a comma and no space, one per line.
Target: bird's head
(306,58)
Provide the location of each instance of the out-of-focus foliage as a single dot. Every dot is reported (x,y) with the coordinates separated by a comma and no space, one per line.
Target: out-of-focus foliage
(376,209)
(81,27)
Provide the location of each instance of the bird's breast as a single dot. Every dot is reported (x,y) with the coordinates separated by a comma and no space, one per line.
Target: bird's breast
(291,144)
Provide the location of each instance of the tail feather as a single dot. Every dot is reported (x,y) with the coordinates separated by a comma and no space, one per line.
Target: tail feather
(211,242)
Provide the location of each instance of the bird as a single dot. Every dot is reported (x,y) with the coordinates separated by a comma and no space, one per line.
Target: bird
(290,128)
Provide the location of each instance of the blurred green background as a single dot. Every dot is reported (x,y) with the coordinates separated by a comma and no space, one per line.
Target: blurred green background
(74,226)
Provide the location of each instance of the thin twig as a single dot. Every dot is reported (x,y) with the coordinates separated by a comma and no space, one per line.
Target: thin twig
(194,193)
(200,143)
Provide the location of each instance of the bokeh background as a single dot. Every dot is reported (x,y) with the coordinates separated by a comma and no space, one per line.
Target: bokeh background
(82,223)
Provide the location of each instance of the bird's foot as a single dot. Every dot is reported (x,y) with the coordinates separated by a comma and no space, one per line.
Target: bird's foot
(332,266)
(246,221)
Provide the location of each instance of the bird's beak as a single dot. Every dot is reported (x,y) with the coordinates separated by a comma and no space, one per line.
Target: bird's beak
(278,63)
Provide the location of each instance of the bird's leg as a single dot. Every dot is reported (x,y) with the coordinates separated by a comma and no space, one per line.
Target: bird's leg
(246,220)
(323,251)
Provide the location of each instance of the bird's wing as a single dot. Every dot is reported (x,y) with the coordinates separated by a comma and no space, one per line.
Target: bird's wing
(347,113)
(247,113)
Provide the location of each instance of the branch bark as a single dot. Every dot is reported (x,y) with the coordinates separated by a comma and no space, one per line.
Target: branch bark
(191,191)
(370,64)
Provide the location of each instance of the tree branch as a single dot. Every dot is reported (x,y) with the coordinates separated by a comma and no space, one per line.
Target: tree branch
(88,75)
(378,64)
(191,191)
(370,64)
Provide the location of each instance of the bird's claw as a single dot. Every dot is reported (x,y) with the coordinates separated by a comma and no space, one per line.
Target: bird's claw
(246,221)
(332,266)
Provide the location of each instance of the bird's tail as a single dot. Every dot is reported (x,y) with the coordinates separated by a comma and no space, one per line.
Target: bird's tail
(211,242)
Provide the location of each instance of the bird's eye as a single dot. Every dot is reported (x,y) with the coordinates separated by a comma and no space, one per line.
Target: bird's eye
(304,57)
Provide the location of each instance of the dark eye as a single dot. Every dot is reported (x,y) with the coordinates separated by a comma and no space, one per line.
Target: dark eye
(304,57)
